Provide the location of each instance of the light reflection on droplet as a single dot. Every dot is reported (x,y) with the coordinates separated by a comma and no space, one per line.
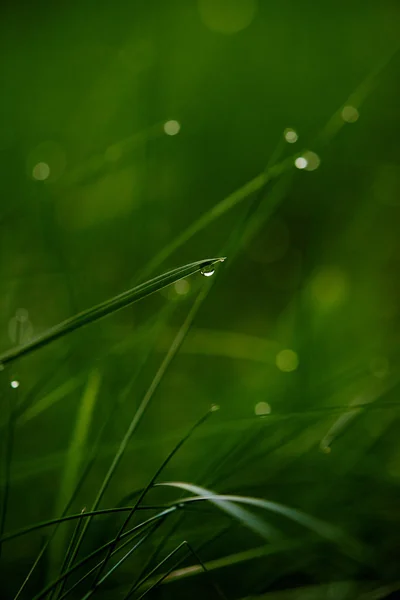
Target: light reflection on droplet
(290,135)
(287,360)
(300,162)
(172,127)
(208,271)
(41,171)
(14,384)
(182,287)
(350,114)
(262,408)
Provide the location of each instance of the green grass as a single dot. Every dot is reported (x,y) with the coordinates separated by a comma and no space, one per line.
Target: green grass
(136,460)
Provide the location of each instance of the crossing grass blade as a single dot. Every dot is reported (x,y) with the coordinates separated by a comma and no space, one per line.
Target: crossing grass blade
(229,503)
(108,307)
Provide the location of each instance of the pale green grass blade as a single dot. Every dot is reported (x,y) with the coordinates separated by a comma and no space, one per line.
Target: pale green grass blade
(74,460)
(228,503)
(108,307)
(252,186)
(48,400)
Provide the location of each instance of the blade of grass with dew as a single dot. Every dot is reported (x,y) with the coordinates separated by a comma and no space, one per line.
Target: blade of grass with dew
(176,344)
(326,134)
(215,212)
(108,307)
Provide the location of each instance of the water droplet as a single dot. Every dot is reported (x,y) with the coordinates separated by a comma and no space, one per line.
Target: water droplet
(14,384)
(325,448)
(214,407)
(262,408)
(208,270)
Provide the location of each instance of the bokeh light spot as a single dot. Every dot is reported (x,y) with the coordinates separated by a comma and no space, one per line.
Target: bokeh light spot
(290,135)
(41,171)
(287,360)
(329,286)
(300,162)
(313,161)
(14,384)
(172,127)
(262,408)
(227,16)
(182,287)
(46,161)
(350,114)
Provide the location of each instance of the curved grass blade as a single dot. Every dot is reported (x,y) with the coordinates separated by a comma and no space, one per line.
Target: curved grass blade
(151,483)
(228,503)
(93,513)
(108,307)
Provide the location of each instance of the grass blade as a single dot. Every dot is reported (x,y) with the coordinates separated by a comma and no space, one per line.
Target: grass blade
(228,503)
(108,307)
(87,558)
(151,483)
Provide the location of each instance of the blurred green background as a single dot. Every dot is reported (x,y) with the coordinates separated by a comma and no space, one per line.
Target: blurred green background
(121,124)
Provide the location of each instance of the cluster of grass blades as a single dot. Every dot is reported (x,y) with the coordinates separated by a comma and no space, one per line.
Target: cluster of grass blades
(144,530)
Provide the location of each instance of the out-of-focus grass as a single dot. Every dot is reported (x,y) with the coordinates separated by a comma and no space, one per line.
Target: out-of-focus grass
(147,139)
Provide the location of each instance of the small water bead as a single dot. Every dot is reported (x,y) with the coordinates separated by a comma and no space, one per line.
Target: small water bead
(14,384)
(214,407)
(262,409)
(208,271)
